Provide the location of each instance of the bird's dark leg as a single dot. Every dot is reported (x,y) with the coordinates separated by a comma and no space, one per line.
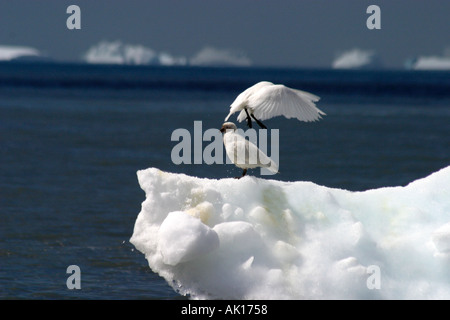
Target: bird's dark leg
(259,122)
(243,174)
(249,120)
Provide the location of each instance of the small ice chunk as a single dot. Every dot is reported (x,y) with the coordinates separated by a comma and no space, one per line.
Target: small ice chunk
(285,252)
(238,236)
(248,264)
(203,211)
(182,237)
(441,238)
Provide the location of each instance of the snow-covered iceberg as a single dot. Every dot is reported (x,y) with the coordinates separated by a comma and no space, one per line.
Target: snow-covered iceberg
(255,238)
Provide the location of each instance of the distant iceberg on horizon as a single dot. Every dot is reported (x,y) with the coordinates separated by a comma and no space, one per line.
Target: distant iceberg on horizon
(357,59)
(117,52)
(257,238)
(210,56)
(432,62)
(429,63)
(9,53)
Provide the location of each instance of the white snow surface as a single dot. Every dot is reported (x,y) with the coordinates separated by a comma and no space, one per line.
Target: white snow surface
(256,238)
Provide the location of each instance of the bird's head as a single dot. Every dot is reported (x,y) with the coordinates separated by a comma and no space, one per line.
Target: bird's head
(228,126)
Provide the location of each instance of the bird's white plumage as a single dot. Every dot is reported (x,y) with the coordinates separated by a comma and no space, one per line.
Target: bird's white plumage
(266,100)
(242,152)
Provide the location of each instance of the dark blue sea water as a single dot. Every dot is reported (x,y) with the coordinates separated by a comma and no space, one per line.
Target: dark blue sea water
(72,137)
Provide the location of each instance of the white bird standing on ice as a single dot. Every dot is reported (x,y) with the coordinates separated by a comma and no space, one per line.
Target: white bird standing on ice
(243,153)
(266,100)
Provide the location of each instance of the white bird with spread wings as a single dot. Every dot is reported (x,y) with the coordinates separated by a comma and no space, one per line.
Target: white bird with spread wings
(266,100)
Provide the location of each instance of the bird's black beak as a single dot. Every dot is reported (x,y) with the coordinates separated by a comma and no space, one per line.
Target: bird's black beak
(222,129)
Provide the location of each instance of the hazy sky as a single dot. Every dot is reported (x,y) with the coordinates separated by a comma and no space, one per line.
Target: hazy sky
(302,33)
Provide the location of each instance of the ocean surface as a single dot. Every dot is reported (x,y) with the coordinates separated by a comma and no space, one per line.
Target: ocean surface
(73,136)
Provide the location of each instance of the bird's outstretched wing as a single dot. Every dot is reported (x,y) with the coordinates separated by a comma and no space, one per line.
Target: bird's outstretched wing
(279,100)
(242,99)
